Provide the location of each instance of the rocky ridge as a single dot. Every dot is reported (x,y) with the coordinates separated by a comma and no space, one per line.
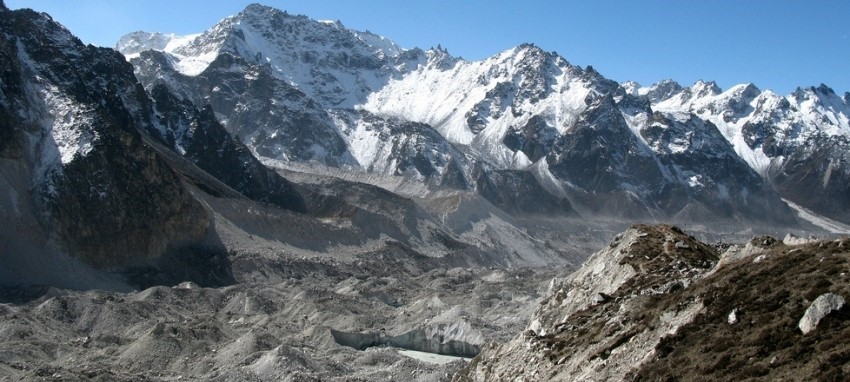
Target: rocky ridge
(657,303)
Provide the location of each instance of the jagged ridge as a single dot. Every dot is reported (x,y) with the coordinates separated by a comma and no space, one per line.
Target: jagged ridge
(511,112)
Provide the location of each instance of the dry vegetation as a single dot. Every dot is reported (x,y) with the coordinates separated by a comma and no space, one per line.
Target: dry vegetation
(770,296)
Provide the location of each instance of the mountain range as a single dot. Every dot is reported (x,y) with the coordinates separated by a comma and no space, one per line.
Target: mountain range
(116,158)
(280,198)
(298,91)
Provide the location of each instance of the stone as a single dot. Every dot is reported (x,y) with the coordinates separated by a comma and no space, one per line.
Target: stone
(733,317)
(601,298)
(820,308)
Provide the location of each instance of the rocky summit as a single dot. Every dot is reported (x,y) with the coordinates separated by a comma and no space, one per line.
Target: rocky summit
(280,198)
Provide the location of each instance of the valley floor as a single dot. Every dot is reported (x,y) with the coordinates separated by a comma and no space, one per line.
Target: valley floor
(270,330)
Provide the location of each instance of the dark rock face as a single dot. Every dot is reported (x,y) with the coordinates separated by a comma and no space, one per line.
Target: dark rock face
(663,171)
(818,177)
(495,103)
(600,154)
(113,203)
(809,168)
(121,205)
(535,139)
(209,146)
(280,121)
(725,184)
(519,193)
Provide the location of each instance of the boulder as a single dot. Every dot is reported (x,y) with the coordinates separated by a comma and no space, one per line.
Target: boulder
(820,308)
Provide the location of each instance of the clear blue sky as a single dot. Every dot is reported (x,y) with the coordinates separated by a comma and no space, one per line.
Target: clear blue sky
(775,44)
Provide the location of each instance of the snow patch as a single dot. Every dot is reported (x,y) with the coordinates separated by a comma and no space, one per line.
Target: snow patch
(70,124)
(695,181)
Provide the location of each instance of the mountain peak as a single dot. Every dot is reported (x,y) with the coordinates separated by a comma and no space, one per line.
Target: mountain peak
(529,46)
(662,90)
(705,88)
(823,89)
(260,9)
(532,50)
(529,55)
(745,91)
(139,41)
(440,57)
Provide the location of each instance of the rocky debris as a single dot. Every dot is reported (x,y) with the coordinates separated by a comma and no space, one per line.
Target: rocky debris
(589,326)
(292,329)
(791,239)
(820,308)
(734,320)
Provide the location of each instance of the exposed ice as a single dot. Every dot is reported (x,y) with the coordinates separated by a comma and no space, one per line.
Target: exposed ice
(431,357)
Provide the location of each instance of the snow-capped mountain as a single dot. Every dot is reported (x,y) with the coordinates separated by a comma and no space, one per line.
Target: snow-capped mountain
(89,183)
(798,142)
(300,90)
(107,185)
(337,66)
(273,79)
